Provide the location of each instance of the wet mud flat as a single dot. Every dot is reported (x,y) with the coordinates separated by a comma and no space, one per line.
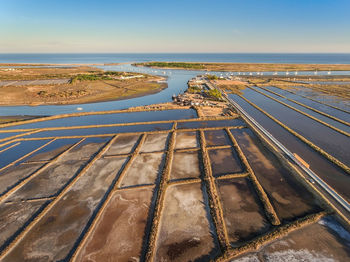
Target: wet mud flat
(185,165)
(155,143)
(184,233)
(186,140)
(326,240)
(225,161)
(144,170)
(123,145)
(119,233)
(288,196)
(55,234)
(216,138)
(243,214)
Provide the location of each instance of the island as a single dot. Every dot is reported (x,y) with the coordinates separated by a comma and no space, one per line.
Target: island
(245,67)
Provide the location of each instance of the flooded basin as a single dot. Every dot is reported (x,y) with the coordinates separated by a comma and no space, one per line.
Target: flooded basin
(53,149)
(14,153)
(213,123)
(319,106)
(98,119)
(333,142)
(216,138)
(224,161)
(87,149)
(15,174)
(321,117)
(333,175)
(244,217)
(289,198)
(102,130)
(4,135)
(322,98)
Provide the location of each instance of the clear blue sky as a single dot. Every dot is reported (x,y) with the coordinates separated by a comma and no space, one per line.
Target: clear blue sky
(174,26)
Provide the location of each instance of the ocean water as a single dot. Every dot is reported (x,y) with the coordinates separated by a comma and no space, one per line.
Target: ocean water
(196,57)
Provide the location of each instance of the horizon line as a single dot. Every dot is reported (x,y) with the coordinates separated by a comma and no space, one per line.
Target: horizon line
(9,53)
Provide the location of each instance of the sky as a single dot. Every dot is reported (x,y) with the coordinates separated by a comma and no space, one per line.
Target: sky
(174,26)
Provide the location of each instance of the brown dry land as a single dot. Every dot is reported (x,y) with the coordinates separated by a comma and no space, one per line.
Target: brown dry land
(246,67)
(159,195)
(74,85)
(45,73)
(9,119)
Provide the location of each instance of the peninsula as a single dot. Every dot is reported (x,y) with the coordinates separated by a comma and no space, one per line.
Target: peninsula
(48,85)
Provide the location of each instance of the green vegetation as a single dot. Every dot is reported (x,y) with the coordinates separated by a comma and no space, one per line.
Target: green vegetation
(90,77)
(214,93)
(248,67)
(108,75)
(194,89)
(212,77)
(114,73)
(174,64)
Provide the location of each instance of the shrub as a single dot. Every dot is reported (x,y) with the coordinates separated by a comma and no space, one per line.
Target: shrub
(214,93)
(212,77)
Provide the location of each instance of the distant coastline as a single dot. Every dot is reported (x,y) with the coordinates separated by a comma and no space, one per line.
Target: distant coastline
(245,67)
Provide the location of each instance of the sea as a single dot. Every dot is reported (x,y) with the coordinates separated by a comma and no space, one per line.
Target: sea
(304,58)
